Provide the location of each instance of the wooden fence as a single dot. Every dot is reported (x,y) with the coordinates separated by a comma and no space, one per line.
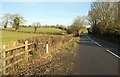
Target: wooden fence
(11,57)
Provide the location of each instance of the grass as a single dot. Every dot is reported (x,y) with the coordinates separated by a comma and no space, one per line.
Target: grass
(63,59)
(66,58)
(43,30)
(7,37)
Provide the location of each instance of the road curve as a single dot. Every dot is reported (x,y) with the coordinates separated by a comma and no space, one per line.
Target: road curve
(93,59)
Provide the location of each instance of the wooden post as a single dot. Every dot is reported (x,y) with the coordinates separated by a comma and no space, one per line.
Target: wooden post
(14,58)
(3,62)
(26,50)
(47,47)
(0,69)
(14,43)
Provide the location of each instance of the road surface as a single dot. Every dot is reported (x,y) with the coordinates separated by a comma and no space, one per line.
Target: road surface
(96,57)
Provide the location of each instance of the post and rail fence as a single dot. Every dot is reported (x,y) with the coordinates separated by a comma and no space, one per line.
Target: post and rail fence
(13,56)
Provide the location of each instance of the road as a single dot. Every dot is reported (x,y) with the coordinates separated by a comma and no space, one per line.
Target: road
(96,57)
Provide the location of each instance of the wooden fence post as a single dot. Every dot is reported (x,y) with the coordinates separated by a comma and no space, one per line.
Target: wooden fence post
(14,43)
(47,47)
(14,58)
(3,62)
(0,62)
(26,50)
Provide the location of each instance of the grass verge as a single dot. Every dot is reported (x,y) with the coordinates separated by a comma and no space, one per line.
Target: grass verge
(59,62)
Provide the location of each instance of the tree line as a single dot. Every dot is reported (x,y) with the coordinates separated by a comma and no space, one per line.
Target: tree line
(12,19)
(104,18)
(16,20)
(77,26)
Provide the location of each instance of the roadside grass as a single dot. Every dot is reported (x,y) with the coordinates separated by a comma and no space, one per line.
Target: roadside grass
(66,56)
(61,61)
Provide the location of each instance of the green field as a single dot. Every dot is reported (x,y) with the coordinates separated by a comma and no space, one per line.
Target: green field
(43,30)
(7,37)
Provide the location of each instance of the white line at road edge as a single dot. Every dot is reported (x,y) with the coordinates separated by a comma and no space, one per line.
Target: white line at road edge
(90,38)
(112,53)
(94,42)
(97,44)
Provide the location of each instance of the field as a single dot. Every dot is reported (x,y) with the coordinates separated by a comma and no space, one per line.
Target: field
(43,30)
(8,36)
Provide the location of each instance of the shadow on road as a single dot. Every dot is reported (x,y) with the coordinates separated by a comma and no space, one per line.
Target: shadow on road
(86,42)
(94,60)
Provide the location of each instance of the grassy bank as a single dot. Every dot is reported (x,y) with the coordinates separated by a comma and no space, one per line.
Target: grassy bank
(60,61)
(66,56)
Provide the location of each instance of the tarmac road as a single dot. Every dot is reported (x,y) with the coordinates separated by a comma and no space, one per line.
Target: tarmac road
(97,57)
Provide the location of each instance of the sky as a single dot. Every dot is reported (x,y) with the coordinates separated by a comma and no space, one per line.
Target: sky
(47,12)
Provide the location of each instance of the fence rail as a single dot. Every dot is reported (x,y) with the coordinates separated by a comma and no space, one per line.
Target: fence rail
(13,56)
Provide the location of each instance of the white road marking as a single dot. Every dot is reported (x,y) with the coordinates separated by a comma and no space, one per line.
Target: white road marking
(94,41)
(97,44)
(106,49)
(90,38)
(113,53)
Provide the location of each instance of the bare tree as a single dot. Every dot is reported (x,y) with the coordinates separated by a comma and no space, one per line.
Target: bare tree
(36,25)
(104,18)
(14,19)
(5,20)
(78,24)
